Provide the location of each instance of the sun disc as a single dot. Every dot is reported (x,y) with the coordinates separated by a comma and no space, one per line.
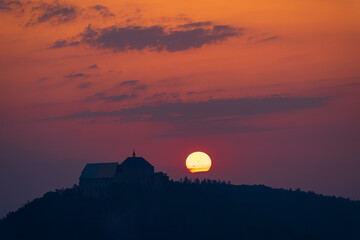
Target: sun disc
(198,162)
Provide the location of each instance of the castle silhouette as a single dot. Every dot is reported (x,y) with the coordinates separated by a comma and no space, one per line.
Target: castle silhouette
(96,178)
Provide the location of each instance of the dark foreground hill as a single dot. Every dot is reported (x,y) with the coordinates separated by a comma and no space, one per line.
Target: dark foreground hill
(205,210)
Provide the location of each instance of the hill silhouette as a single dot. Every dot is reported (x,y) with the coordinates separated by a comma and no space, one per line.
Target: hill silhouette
(185,210)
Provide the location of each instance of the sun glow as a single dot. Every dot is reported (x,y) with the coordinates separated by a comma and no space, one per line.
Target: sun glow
(198,162)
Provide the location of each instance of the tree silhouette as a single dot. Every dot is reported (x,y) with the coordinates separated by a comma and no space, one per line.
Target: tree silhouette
(185,210)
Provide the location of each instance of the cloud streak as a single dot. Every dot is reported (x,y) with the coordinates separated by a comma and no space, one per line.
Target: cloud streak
(53,13)
(103,11)
(128,90)
(263,37)
(7,6)
(76,75)
(129,83)
(220,108)
(62,43)
(221,116)
(94,66)
(113,98)
(152,38)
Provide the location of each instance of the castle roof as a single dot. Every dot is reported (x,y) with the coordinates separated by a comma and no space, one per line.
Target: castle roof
(99,170)
(135,162)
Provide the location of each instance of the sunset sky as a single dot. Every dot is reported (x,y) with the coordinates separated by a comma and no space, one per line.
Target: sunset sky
(269,89)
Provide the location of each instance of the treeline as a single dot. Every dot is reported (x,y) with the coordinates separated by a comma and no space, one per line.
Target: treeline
(187,180)
(186,209)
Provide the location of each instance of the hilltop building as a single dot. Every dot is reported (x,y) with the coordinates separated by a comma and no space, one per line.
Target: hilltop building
(96,178)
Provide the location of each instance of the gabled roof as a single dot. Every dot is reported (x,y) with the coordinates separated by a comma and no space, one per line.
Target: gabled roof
(135,162)
(99,170)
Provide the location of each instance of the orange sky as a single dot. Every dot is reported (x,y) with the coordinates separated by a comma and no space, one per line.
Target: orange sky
(277,82)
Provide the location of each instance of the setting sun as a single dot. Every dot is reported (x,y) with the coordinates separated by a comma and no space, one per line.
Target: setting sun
(198,162)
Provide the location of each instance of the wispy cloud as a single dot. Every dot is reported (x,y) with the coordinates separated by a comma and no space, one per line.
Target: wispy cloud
(218,108)
(114,98)
(76,75)
(63,43)
(94,66)
(196,24)
(129,83)
(134,85)
(219,116)
(152,38)
(119,92)
(10,5)
(53,13)
(268,39)
(103,11)
(263,37)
